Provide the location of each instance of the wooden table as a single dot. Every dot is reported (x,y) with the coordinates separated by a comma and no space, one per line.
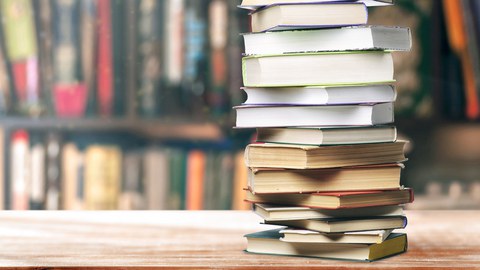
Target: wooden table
(208,239)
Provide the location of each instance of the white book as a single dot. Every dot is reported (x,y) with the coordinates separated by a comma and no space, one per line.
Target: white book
(354,38)
(255,4)
(320,95)
(299,116)
(270,212)
(310,69)
(307,236)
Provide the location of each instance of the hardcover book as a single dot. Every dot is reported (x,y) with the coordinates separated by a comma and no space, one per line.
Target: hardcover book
(323,180)
(336,200)
(305,15)
(311,69)
(269,242)
(311,157)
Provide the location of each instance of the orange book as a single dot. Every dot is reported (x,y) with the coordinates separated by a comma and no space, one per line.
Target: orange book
(240,181)
(196,161)
(457,37)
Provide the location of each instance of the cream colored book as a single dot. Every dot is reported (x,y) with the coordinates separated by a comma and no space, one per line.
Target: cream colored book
(376,177)
(317,157)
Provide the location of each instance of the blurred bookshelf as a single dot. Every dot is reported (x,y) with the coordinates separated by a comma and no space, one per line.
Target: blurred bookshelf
(143,90)
(105,104)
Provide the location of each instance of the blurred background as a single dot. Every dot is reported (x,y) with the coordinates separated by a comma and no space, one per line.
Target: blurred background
(115,104)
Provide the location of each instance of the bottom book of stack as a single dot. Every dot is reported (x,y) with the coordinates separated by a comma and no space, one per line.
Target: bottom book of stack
(336,246)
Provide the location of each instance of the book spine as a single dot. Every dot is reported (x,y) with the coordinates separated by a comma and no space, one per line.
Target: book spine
(156,175)
(132,189)
(102,177)
(53,171)
(195,179)
(174,41)
(131,11)
(195,60)
(21,48)
(177,179)
(218,35)
(119,41)
(149,38)
(37,175)
(4,77)
(45,49)
(69,91)
(88,34)
(104,59)
(69,176)
(19,170)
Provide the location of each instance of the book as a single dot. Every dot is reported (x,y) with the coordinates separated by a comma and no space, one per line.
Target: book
(457,37)
(255,116)
(3,183)
(336,200)
(268,242)
(254,4)
(156,175)
(270,212)
(240,180)
(322,68)
(320,95)
(340,225)
(196,161)
(53,146)
(353,38)
(149,69)
(132,190)
(70,182)
(44,19)
(174,27)
(105,68)
(88,49)
(102,177)
(119,55)
(218,37)
(308,15)
(307,236)
(317,157)
(69,90)
(224,195)
(5,96)
(177,183)
(324,180)
(37,173)
(328,135)
(19,160)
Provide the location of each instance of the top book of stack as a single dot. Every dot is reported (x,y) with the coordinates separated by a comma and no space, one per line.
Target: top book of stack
(255,4)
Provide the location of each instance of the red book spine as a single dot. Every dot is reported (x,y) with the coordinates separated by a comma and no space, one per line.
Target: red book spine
(104,59)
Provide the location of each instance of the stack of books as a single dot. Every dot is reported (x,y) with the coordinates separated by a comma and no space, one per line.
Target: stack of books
(326,165)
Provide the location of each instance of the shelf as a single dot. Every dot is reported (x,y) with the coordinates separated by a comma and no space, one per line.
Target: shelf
(168,128)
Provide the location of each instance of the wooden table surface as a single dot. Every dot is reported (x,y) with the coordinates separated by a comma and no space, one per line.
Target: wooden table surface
(208,239)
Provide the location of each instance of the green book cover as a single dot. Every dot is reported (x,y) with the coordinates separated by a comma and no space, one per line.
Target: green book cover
(19,29)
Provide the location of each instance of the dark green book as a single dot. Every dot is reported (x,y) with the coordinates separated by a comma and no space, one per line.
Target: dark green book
(269,242)
(177,179)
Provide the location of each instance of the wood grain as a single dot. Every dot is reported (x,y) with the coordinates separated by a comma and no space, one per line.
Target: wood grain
(208,239)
